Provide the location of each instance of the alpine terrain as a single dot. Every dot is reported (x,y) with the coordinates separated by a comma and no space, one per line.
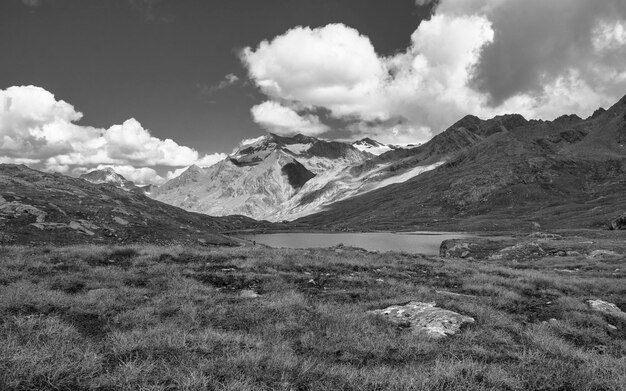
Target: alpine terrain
(280,178)
(37,207)
(502,173)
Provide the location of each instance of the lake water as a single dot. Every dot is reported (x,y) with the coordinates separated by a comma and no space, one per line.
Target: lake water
(413,242)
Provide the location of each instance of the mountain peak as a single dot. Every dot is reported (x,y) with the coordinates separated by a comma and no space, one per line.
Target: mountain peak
(368,141)
(372,146)
(106,174)
(110,176)
(468,122)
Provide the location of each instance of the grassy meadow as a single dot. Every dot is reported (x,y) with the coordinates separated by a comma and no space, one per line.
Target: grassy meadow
(156,318)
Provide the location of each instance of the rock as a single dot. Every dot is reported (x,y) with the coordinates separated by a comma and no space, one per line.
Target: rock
(425,318)
(521,251)
(601,253)
(543,235)
(88,224)
(606,308)
(471,248)
(618,223)
(49,225)
(15,209)
(120,220)
(248,294)
(454,249)
(75,225)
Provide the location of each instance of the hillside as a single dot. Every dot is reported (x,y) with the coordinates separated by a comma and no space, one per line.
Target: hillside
(503,173)
(37,207)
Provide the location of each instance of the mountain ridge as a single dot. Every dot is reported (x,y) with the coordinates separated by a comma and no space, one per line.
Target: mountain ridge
(39,208)
(517,174)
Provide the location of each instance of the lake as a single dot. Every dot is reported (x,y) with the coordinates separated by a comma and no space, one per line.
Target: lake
(413,242)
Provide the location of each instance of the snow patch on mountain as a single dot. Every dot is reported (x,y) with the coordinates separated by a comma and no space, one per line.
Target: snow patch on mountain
(298,149)
(406,176)
(371,146)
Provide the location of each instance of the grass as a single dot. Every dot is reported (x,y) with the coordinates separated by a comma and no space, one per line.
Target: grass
(155,318)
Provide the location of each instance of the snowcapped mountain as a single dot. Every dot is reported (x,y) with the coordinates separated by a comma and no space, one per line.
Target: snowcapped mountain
(372,146)
(108,175)
(281,178)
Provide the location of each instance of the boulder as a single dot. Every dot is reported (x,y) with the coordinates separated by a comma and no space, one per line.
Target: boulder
(474,248)
(75,225)
(425,318)
(618,223)
(606,308)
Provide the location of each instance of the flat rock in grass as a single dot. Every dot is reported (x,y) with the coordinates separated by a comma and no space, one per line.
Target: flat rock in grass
(248,294)
(606,308)
(425,318)
(603,253)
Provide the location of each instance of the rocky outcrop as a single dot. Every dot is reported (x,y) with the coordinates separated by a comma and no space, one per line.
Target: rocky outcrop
(425,318)
(15,209)
(618,223)
(297,174)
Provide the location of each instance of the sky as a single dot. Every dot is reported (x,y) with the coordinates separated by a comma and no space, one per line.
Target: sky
(150,87)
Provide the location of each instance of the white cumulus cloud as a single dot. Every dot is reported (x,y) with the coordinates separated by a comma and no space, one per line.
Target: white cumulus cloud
(484,57)
(282,120)
(38,129)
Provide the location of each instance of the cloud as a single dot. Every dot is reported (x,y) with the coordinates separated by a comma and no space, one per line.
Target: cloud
(38,129)
(175,173)
(209,160)
(249,141)
(282,120)
(484,57)
(538,42)
(333,67)
(228,81)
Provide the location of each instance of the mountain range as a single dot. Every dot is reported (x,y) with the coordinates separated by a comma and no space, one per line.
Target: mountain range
(280,178)
(503,173)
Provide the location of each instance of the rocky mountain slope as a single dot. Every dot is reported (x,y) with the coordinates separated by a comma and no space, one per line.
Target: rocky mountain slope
(503,173)
(280,178)
(108,175)
(37,207)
